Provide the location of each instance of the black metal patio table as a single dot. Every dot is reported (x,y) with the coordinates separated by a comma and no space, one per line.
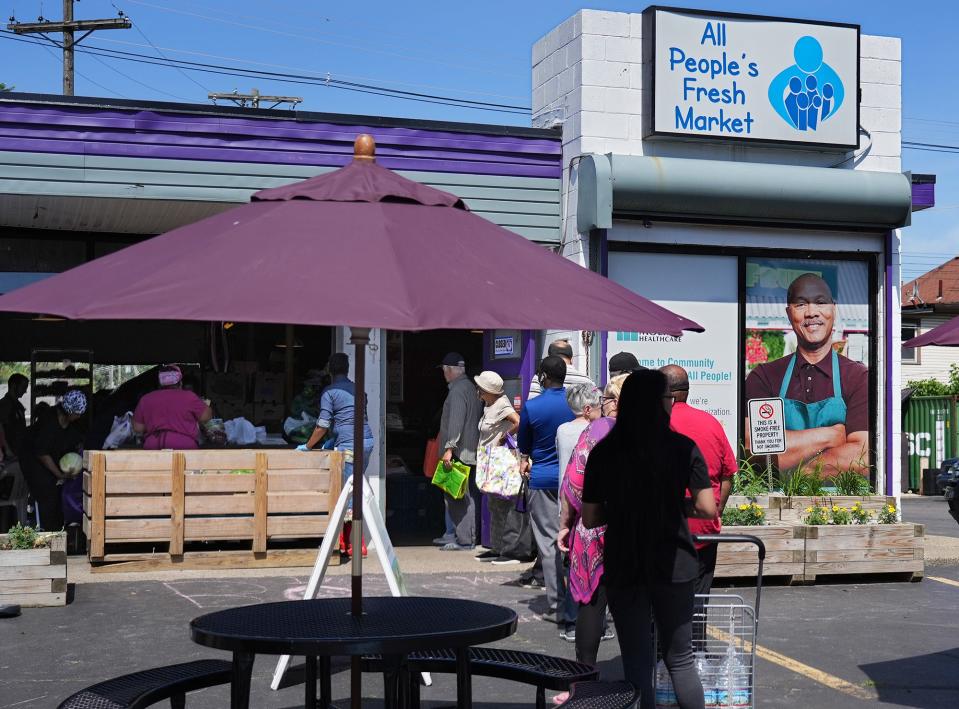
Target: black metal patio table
(390,626)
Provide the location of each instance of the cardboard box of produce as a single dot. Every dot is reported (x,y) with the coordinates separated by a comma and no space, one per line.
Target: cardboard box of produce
(268,387)
(267,412)
(226,385)
(229,407)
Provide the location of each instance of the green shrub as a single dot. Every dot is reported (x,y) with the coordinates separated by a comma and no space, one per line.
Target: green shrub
(852,483)
(750,480)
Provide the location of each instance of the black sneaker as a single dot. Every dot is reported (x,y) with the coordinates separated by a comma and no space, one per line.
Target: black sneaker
(550,616)
(569,633)
(487,555)
(531,582)
(608,634)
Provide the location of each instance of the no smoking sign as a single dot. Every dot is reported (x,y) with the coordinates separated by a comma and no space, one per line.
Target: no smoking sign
(767,430)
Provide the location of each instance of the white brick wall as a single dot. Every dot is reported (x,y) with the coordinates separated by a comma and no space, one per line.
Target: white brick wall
(588,73)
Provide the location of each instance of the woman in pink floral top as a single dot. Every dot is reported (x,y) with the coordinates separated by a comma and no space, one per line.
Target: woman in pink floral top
(585,546)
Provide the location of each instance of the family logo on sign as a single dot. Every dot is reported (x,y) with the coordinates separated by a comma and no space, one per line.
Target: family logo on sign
(809,92)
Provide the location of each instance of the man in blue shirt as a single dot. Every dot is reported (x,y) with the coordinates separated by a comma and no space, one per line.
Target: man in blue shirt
(337,417)
(538,421)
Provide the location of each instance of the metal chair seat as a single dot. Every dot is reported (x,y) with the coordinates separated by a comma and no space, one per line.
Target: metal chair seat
(142,689)
(601,695)
(542,671)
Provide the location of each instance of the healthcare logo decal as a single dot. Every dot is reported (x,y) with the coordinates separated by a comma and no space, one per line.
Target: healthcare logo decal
(809,92)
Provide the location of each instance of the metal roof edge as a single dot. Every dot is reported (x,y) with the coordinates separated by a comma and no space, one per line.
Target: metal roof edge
(275,114)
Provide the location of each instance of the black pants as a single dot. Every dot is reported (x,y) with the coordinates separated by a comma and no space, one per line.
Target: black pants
(591,626)
(704,582)
(672,606)
(45,493)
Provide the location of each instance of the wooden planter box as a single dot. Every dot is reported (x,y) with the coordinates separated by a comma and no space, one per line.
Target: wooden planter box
(793,509)
(864,549)
(174,497)
(785,546)
(35,577)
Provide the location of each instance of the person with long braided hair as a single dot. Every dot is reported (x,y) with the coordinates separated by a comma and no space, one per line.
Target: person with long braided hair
(635,483)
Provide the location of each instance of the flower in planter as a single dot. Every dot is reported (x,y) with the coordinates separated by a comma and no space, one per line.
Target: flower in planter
(816,515)
(841,515)
(745,515)
(887,515)
(860,515)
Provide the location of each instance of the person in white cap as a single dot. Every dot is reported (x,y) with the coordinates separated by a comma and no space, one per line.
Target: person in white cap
(499,419)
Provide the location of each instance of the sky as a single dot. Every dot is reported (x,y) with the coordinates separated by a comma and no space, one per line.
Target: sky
(470,51)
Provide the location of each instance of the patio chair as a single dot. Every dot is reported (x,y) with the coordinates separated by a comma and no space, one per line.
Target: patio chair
(145,688)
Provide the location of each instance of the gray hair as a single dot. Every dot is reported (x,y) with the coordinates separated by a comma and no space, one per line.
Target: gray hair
(454,369)
(582,395)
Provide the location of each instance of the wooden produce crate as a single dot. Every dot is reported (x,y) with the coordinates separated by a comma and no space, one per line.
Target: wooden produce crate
(865,549)
(35,577)
(793,509)
(785,545)
(174,497)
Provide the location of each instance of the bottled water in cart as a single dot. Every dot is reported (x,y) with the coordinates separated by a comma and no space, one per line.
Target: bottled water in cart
(724,641)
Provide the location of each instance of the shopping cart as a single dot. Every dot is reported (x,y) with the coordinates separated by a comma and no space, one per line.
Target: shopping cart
(724,640)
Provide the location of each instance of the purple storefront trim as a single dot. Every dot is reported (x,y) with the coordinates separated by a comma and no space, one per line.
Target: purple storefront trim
(160,135)
(890,388)
(923,195)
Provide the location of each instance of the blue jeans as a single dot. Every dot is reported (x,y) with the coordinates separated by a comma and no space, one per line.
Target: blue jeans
(367,451)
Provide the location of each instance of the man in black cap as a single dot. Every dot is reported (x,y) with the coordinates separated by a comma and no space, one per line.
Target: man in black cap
(538,422)
(459,435)
(623,363)
(564,350)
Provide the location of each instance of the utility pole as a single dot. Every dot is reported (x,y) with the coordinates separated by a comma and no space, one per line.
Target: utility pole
(254,98)
(68,27)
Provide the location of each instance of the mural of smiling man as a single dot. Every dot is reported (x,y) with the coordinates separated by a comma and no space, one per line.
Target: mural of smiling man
(825,395)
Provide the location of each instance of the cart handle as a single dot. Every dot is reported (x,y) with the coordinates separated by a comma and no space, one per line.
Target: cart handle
(740,539)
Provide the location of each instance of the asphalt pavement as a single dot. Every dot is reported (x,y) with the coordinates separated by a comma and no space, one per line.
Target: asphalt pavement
(829,645)
(932,511)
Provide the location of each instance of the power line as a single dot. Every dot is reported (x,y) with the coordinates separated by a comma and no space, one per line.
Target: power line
(242,60)
(136,26)
(67,28)
(305,79)
(84,76)
(318,40)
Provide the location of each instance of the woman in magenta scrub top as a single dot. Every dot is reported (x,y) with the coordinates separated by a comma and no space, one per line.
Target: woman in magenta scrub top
(170,416)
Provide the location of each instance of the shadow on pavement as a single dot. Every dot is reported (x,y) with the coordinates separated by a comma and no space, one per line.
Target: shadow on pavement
(926,681)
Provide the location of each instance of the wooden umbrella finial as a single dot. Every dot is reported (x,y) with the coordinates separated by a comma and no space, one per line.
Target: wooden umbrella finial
(364,147)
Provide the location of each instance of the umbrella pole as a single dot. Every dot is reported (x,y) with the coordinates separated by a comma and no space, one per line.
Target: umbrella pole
(360,337)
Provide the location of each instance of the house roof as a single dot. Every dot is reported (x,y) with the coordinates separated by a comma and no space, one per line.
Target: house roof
(938,287)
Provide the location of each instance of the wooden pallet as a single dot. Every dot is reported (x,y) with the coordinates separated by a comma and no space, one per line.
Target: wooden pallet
(785,545)
(35,577)
(865,549)
(174,497)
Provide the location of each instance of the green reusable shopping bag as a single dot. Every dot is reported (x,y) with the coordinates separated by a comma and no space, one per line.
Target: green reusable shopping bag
(453,481)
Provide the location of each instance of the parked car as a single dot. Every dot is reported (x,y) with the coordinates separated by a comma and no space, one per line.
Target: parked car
(947,481)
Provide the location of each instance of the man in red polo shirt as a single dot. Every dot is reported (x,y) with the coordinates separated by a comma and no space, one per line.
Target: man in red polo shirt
(708,434)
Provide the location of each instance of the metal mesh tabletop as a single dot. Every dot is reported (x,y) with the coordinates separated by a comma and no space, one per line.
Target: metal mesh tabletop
(326,627)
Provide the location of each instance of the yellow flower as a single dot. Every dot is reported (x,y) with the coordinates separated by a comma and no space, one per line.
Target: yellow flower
(808,510)
(835,508)
(744,507)
(890,509)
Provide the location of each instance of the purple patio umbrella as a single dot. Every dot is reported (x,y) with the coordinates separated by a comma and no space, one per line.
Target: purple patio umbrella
(945,335)
(361,246)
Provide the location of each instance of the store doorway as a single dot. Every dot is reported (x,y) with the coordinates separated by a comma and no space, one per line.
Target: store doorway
(415,391)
